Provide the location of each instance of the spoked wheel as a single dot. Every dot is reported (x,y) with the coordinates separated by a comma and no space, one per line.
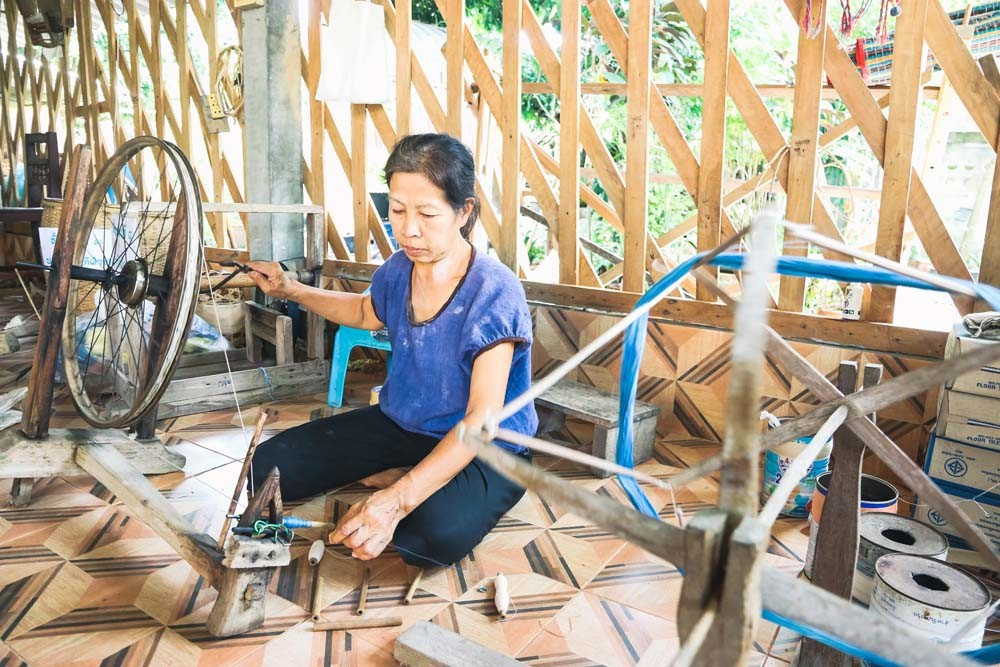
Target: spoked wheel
(134,282)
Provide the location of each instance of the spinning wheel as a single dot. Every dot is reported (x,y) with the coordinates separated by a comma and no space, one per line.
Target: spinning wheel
(133,283)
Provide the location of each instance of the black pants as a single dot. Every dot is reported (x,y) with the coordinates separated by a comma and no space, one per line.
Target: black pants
(327,453)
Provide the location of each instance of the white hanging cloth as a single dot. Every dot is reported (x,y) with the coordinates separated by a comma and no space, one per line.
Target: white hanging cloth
(356,54)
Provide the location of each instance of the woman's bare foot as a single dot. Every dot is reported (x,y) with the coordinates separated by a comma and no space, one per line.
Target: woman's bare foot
(384,479)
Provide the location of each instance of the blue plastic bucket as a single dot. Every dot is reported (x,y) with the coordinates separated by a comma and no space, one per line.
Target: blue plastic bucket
(776,462)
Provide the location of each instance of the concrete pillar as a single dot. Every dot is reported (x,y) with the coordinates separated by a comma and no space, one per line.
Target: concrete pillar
(272,116)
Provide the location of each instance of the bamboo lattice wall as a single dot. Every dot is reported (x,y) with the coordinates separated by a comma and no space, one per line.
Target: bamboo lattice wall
(171,47)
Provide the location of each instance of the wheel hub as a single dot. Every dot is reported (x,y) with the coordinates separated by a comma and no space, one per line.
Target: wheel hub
(133,281)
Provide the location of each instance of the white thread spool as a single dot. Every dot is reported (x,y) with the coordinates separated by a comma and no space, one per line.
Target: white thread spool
(316,552)
(501,598)
(931,598)
(881,533)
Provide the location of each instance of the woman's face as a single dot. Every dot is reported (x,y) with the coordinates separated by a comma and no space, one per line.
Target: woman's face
(425,225)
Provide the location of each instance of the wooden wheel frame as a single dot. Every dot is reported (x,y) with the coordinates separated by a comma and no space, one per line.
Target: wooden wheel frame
(150,274)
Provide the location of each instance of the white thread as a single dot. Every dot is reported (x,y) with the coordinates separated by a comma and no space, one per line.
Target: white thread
(973,499)
(225,354)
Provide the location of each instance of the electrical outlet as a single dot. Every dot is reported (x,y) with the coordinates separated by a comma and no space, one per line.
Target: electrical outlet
(215,106)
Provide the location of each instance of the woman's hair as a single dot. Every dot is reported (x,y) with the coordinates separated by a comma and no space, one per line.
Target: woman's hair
(446,162)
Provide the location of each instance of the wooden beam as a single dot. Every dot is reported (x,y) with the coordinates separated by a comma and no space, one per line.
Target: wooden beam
(404,13)
(904,101)
(640,14)
(453,53)
(569,145)
(803,150)
(980,99)
(713,131)
(869,336)
(511,130)
(766,90)
(989,265)
(112,470)
(359,182)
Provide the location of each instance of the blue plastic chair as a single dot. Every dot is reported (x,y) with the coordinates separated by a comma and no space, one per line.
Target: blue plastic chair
(346,339)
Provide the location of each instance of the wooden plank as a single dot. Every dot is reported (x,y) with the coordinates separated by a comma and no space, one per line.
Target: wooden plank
(404,13)
(112,470)
(923,214)
(425,644)
(510,127)
(454,64)
(590,404)
(980,99)
(904,101)
(569,145)
(239,207)
(989,265)
(205,387)
(182,57)
(359,183)
(713,132)
(803,149)
(637,145)
(316,134)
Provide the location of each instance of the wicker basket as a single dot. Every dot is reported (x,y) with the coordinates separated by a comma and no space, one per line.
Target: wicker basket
(156,234)
(51,211)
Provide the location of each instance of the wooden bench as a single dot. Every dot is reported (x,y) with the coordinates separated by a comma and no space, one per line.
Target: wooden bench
(600,408)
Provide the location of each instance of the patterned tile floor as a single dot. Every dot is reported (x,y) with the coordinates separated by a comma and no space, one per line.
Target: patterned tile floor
(82,582)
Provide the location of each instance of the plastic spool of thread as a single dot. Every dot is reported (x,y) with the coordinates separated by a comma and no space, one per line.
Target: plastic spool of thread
(881,533)
(373,398)
(776,462)
(877,495)
(932,598)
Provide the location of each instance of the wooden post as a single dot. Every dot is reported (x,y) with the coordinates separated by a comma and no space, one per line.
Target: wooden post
(359,183)
(37,407)
(404,13)
(904,101)
(569,145)
(837,540)
(315,255)
(455,64)
(511,129)
(989,265)
(713,131)
(637,145)
(802,155)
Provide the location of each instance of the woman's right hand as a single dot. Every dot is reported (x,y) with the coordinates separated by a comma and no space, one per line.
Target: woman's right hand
(272,279)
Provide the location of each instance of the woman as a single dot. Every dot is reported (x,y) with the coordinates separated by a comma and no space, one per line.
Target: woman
(461,347)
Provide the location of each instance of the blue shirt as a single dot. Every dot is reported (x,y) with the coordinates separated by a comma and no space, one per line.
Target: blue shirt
(427,388)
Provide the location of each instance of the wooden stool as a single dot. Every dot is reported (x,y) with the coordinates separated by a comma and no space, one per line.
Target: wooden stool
(599,408)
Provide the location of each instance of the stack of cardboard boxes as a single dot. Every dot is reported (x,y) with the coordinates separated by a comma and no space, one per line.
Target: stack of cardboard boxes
(963,456)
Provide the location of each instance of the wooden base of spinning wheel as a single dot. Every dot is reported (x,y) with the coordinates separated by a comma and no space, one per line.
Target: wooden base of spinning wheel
(242,568)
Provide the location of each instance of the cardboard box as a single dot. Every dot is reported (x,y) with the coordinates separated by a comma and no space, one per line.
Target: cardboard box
(959,406)
(969,431)
(985,381)
(984,512)
(976,469)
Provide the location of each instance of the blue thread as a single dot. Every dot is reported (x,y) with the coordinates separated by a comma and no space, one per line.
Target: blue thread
(635,340)
(414,553)
(267,381)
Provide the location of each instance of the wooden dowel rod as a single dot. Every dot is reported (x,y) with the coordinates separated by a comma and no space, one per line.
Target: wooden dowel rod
(357,624)
(363,599)
(241,480)
(800,465)
(315,605)
(685,657)
(413,587)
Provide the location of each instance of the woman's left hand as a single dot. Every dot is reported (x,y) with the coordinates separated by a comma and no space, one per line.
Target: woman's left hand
(370,524)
